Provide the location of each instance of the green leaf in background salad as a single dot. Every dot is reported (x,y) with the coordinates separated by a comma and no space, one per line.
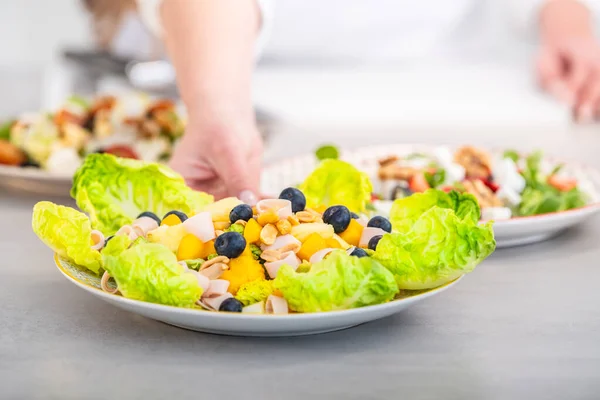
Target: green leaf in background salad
(328,151)
(79,101)
(513,155)
(5,130)
(336,182)
(338,282)
(67,232)
(539,197)
(114,191)
(438,248)
(436,179)
(150,272)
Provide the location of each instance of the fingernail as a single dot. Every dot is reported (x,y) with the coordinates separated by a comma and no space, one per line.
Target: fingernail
(586,114)
(248,197)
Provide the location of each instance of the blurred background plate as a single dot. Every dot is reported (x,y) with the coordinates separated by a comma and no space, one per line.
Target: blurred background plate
(514,232)
(35,181)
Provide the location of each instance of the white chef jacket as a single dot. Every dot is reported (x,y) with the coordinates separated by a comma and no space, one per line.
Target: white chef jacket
(383,31)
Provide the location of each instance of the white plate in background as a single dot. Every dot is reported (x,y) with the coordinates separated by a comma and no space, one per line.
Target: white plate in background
(508,233)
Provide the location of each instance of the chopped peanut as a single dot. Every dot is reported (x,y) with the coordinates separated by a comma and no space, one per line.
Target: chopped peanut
(218,259)
(283,226)
(268,234)
(306,216)
(293,220)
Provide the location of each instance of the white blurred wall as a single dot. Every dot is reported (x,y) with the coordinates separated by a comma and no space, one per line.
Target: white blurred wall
(33,31)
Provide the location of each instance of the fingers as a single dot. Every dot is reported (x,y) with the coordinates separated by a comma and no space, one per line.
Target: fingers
(588,99)
(231,163)
(550,70)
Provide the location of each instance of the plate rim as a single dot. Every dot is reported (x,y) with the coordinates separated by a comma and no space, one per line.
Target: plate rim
(252,317)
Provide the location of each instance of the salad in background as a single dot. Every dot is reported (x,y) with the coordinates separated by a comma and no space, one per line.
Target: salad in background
(132,126)
(505,186)
(313,249)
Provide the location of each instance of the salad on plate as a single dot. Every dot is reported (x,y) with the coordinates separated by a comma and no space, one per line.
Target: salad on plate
(313,249)
(57,142)
(505,185)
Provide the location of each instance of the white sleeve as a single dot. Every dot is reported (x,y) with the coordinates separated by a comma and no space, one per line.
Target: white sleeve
(526,12)
(150,13)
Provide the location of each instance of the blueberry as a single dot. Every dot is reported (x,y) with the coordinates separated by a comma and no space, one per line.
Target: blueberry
(337,216)
(231,305)
(380,222)
(358,252)
(108,239)
(242,211)
(374,242)
(296,197)
(150,214)
(230,244)
(400,192)
(354,215)
(182,217)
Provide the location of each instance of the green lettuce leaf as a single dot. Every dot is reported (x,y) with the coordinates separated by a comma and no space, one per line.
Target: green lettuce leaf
(539,197)
(405,211)
(335,182)
(438,248)
(114,191)
(338,282)
(254,292)
(67,232)
(544,199)
(150,272)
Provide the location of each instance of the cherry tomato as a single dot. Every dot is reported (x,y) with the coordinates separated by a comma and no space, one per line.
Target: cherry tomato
(562,184)
(121,151)
(418,183)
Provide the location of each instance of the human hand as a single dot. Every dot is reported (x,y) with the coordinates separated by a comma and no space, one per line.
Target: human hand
(223,160)
(568,65)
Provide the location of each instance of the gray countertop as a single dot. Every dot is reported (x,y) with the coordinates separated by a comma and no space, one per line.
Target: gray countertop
(524,325)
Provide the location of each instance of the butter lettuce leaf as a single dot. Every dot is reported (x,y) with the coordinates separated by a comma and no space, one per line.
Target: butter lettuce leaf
(150,272)
(67,232)
(406,211)
(338,282)
(114,191)
(335,182)
(438,248)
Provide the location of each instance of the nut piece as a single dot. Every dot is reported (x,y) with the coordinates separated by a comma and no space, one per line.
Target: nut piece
(270,255)
(477,163)
(241,222)
(295,247)
(293,219)
(219,232)
(284,226)
(306,216)
(484,195)
(268,234)
(217,260)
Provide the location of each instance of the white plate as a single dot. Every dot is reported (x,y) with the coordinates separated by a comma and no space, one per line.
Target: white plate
(514,232)
(34,180)
(245,324)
